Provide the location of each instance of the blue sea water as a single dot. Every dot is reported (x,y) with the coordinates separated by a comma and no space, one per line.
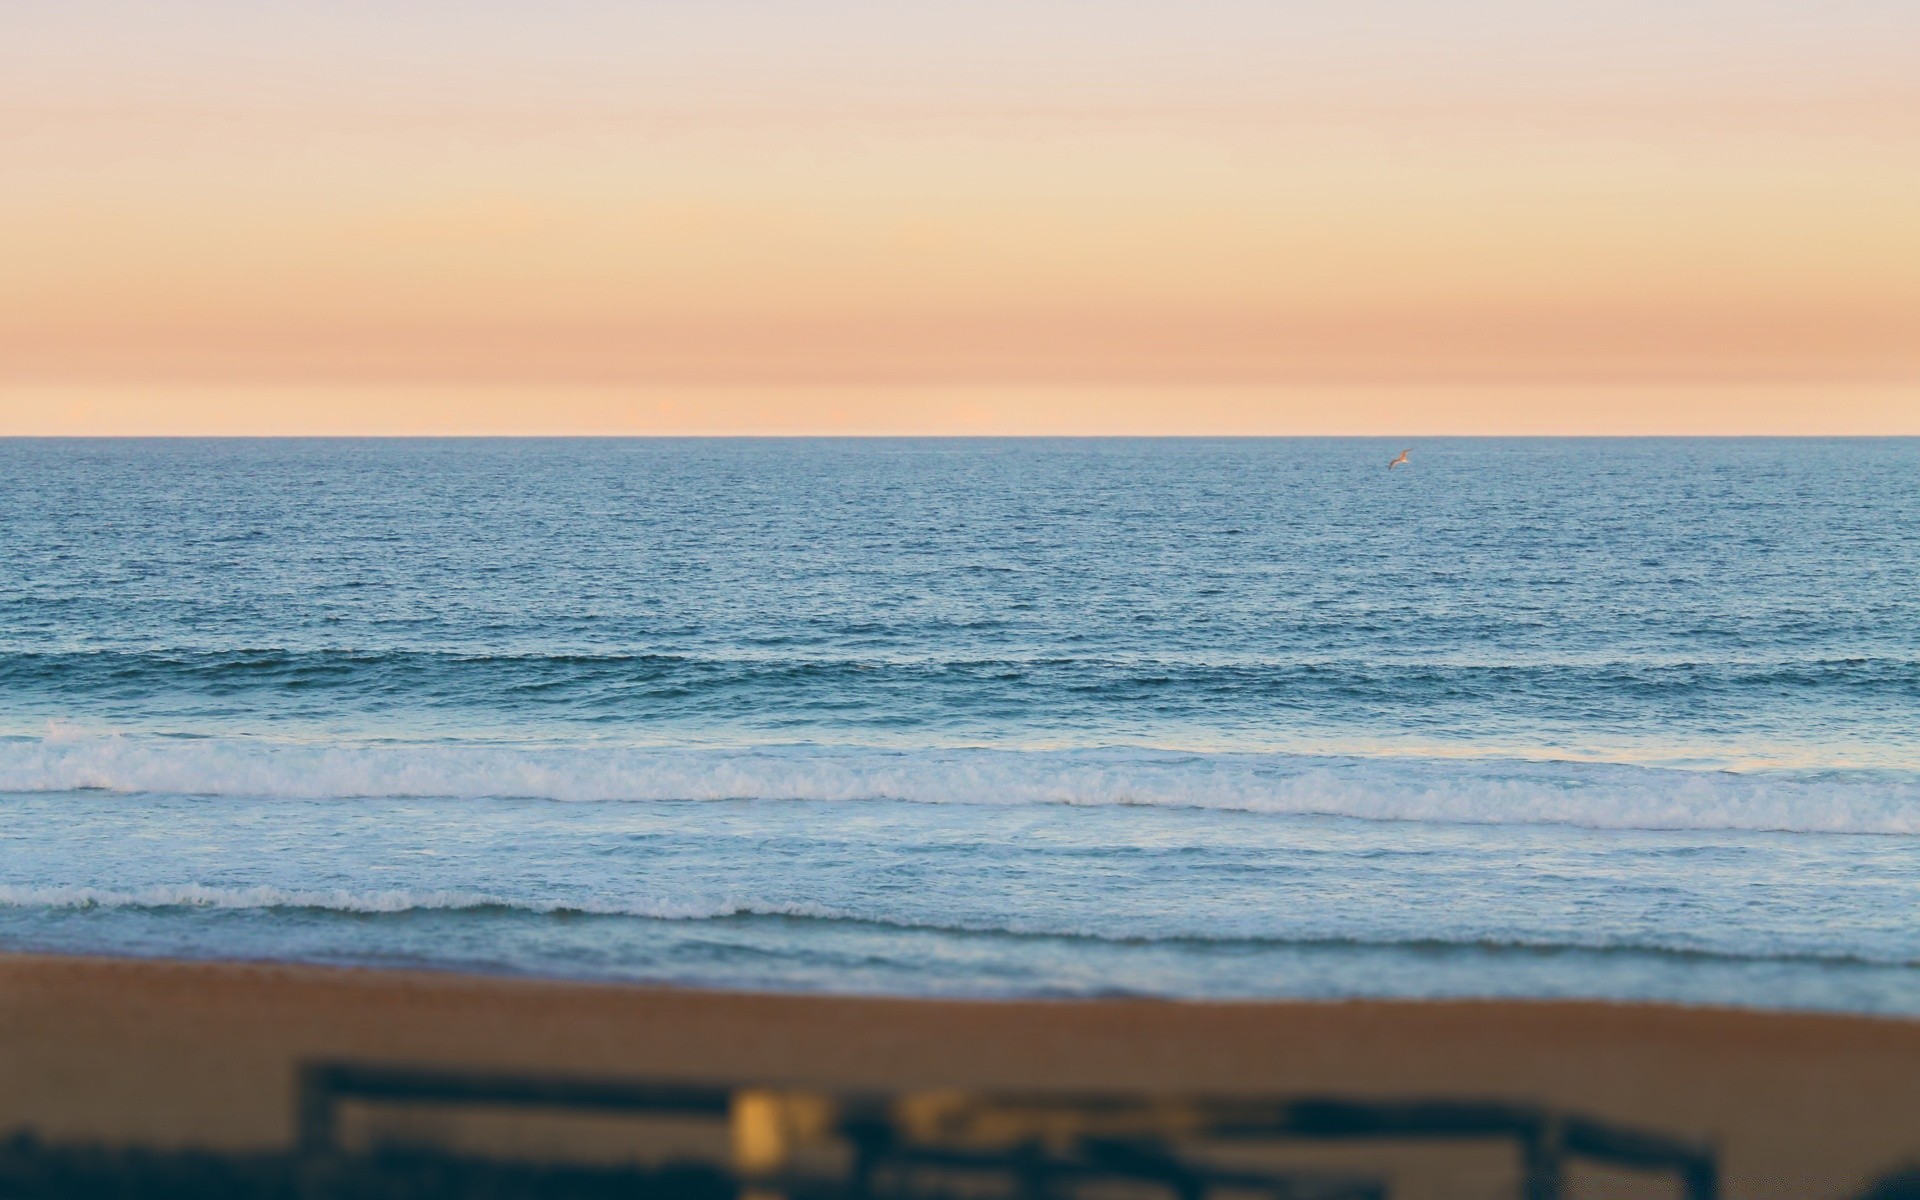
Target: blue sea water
(1624,719)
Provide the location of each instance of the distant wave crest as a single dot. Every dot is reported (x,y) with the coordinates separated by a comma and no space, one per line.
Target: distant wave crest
(1389,788)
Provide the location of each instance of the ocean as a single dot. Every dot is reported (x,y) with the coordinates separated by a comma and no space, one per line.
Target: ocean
(1622,719)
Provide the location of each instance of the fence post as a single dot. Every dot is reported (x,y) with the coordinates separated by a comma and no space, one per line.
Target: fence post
(1544,1160)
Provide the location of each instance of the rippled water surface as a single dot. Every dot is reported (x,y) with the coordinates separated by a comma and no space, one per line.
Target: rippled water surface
(1249,718)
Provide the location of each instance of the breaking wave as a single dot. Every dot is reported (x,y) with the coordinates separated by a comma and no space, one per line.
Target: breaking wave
(1385,788)
(400,902)
(389,901)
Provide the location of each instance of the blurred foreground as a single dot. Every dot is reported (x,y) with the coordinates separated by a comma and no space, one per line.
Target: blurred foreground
(161,1079)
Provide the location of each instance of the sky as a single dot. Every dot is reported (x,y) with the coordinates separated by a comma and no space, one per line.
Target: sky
(1050,216)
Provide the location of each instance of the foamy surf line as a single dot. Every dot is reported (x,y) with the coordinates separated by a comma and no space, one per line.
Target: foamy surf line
(1592,795)
(400,902)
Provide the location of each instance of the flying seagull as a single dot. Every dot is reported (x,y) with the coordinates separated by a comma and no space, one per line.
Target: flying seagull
(1396,462)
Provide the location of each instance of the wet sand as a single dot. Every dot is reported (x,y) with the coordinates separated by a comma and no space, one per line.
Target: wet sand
(175,1053)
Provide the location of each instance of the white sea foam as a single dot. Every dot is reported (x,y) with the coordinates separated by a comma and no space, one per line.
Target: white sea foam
(398,901)
(1596,795)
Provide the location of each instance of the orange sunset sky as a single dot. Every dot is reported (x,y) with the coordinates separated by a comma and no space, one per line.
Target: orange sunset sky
(824,216)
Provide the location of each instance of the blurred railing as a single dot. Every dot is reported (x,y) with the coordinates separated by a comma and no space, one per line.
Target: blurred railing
(1032,1146)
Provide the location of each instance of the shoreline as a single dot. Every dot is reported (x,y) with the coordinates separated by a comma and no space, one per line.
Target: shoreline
(480,975)
(174,1052)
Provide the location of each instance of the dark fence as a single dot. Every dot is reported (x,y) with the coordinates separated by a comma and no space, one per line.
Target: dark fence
(35,1170)
(1034,1145)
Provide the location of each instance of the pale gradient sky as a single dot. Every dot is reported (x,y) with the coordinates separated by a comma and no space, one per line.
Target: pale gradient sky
(1048,216)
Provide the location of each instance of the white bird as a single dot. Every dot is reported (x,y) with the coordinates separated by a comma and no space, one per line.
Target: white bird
(1396,462)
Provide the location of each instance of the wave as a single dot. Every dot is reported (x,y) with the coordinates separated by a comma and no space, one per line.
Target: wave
(1386,788)
(591,682)
(397,902)
(389,902)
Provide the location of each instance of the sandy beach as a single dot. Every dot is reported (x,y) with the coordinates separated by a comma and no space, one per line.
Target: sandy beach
(175,1053)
